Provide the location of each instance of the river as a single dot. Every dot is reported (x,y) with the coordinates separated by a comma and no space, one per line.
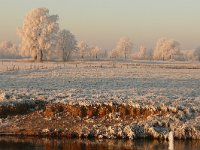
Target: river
(36,143)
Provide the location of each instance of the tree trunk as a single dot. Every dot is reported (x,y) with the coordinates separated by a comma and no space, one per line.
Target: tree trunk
(68,55)
(39,56)
(35,58)
(63,57)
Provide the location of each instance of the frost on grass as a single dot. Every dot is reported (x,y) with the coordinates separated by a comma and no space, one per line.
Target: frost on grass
(89,100)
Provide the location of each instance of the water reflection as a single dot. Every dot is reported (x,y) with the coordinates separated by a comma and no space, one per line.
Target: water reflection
(30,143)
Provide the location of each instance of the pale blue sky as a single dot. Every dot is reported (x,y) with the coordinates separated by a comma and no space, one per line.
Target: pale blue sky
(103,22)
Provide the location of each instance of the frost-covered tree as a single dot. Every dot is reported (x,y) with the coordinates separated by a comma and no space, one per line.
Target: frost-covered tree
(124,46)
(66,44)
(192,55)
(95,51)
(189,55)
(166,49)
(197,53)
(149,53)
(8,50)
(114,53)
(141,53)
(38,33)
(83,48)
(6,44)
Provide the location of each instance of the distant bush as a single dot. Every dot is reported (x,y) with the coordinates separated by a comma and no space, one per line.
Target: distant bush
(8,50)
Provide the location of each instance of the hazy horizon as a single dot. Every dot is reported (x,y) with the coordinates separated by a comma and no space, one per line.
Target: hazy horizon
(103,22)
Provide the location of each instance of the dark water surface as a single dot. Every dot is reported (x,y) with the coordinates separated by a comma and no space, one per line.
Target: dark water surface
(30,143)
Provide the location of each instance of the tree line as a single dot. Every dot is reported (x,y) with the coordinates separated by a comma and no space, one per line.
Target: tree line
(42,39)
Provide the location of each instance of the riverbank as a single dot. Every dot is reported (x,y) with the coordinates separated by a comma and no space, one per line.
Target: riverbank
(103,120)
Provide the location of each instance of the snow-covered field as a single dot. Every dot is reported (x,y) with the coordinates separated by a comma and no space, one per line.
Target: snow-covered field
(104,81)
(173,85)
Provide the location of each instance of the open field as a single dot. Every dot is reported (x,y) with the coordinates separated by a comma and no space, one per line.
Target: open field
(104,99)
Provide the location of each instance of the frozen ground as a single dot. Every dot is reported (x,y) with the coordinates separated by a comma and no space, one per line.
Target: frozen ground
(173,86)
(104,81)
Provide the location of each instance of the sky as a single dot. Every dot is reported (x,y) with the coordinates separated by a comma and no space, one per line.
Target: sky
(103,22)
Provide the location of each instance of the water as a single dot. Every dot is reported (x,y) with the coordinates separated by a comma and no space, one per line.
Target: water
(30,143)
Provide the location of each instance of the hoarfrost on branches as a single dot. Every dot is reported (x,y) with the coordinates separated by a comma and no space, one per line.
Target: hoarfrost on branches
(197,53)
(9,50)
(123,47)
(141,53)
(95,51)
(114,53)
(166,49)
(83,48)
(38,34)
(66,44)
